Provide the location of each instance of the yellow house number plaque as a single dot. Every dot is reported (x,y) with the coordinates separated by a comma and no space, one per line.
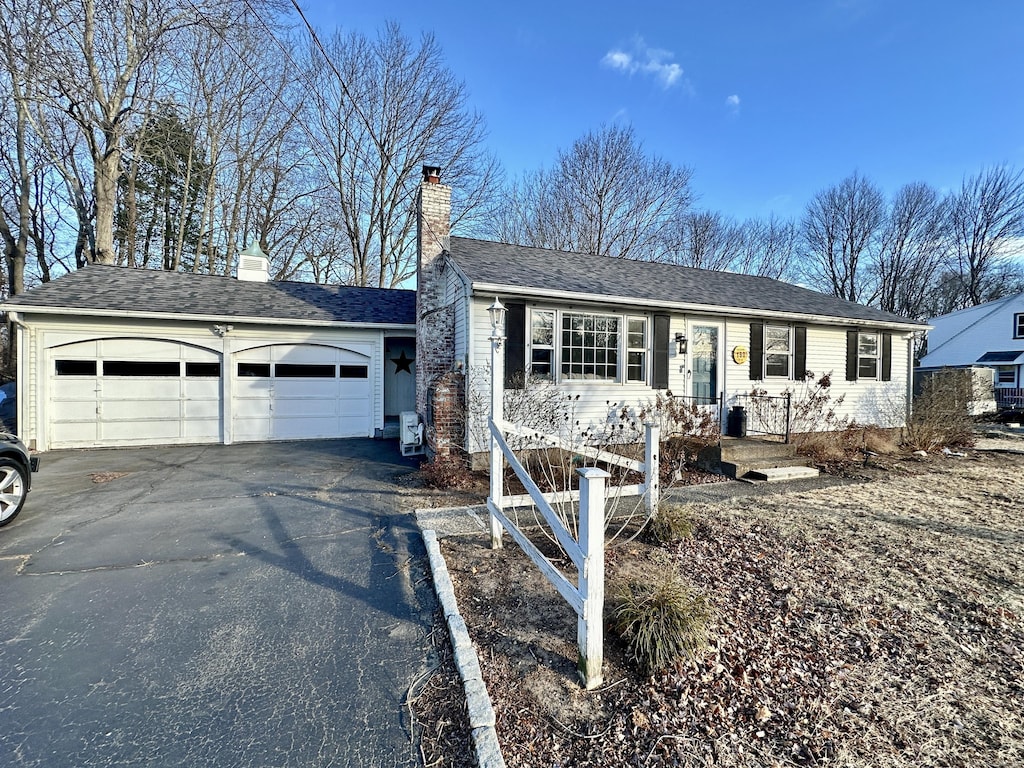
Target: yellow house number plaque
(740,354)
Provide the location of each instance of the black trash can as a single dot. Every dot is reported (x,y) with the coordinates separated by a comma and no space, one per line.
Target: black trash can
(736,422)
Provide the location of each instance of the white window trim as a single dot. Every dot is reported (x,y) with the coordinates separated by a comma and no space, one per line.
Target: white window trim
(1006,369)
(789,353)
(644,350)
(622,352)
(1018,325)
(552,346)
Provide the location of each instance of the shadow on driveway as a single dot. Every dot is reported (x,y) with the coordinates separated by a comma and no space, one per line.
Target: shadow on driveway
(249,605)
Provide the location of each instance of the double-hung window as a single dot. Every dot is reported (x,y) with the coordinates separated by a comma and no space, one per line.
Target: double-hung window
(542,343)
(1018,325)
(777,351)
(636,349)
(867,356)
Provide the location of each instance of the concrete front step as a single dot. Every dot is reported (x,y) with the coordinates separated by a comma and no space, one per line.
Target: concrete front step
(781,474)
(737,469)
(746,450)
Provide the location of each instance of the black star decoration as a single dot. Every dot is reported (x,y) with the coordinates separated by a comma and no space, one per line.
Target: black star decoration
(402,363)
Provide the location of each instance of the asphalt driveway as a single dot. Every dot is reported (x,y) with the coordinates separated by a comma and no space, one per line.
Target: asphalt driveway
(248,605)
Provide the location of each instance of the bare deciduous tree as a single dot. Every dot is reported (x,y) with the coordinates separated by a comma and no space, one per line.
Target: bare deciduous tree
(912,249)
(768,248)
(23,186)
(604,196)
(707,240)
(986,219)
(383,107)
(840,226)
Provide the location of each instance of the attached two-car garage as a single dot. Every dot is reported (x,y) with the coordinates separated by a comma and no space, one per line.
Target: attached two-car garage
(116,357)
(156,392)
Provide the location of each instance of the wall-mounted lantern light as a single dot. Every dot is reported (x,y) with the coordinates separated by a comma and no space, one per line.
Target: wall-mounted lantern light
(681,341)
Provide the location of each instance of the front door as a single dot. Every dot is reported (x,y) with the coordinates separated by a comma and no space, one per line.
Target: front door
(705,363)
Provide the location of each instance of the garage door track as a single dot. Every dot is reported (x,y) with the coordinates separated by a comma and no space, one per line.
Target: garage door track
(247,605)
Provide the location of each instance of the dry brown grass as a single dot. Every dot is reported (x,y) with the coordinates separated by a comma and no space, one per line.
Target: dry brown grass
(875,624)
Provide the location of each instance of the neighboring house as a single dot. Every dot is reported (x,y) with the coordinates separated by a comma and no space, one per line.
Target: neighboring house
(618,331)
(113,356)
(990,335)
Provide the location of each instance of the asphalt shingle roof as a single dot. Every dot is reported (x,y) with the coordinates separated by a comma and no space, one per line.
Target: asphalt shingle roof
(149,291)
(517,266)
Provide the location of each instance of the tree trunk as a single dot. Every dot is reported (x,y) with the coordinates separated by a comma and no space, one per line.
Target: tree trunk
(107,170)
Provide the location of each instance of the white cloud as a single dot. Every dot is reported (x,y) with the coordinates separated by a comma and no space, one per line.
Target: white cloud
(654,62)
(733,103)
(618,60)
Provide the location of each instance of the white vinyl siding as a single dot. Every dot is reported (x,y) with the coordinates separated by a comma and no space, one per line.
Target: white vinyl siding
(881,403)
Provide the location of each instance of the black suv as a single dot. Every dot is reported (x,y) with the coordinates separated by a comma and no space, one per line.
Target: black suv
(16,468)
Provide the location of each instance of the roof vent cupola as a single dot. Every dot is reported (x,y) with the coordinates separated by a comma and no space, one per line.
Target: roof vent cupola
(253,264)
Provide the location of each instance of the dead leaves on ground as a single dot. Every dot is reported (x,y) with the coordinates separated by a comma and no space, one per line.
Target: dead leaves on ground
(877,626)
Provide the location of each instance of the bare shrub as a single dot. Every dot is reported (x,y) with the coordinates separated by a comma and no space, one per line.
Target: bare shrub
(810,408)
(446,472)
(941,413)
(854,443)
(686,428)
(661,619)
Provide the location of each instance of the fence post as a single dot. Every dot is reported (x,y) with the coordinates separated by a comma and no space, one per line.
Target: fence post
(590,623)
(789,408)
(652,479)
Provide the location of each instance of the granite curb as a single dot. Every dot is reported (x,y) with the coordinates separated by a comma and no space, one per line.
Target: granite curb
(478,702)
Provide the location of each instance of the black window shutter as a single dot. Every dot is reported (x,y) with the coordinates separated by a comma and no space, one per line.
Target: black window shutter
(660,377)
(756,351)
(851,354)
(515,346)
(886,356)
(799,352)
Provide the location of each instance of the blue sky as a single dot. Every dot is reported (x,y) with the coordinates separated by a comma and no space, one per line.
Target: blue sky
(767,102)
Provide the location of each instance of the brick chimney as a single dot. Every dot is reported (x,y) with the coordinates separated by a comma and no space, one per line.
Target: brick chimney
(435,332)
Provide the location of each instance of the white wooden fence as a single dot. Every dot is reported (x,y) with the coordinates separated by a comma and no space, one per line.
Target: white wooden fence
(587,553)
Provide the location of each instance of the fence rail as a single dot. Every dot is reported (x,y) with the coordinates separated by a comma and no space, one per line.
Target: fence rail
(1008,398)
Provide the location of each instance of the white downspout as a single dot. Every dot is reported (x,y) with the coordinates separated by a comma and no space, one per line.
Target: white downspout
(910,380)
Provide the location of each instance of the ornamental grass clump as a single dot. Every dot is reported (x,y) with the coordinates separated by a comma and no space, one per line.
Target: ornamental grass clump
(662,620)
(671,523)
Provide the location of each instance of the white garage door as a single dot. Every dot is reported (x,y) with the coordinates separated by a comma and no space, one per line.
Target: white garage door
(299,391)
(133,392)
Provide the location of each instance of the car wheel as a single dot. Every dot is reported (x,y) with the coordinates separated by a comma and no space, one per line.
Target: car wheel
(12,490)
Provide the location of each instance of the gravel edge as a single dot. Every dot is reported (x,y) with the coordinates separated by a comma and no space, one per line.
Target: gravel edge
(478,702)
